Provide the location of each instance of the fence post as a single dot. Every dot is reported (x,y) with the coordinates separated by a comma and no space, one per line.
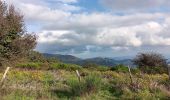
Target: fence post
(78,75)
(130,74)
(4,75)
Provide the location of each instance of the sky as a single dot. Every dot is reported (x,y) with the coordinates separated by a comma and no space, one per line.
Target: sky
(98,28)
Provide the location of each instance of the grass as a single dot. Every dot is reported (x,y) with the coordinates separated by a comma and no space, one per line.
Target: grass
(69,67)
(90,84)
(30,65)
(61,83)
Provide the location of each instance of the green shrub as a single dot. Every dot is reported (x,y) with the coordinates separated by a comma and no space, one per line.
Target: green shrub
(93,66)
(30,65)
(90,84)
(135,70)
(90,65)
(69,67)
(102,68)
(120,68)
(153,69)
(52,60)
(93,82)
(77,88)
(35,56)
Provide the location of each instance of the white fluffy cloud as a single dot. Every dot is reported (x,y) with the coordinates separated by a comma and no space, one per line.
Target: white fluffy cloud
(40,13)
(149,33)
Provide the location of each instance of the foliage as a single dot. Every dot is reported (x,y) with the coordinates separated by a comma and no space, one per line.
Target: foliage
(91,84)
(90,65)
(93,66)
(30,65)
(52,60)
(70,67)
(64,85)
(123,68)
(120,68)
(102,68)
(14,41)
(35,56)
(151,62)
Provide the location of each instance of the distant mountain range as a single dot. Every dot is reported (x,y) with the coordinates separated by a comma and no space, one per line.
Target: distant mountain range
(97,60)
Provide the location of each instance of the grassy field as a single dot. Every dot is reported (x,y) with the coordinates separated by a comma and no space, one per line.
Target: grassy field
(57,83)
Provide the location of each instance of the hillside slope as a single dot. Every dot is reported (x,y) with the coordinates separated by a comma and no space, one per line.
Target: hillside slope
(97,60)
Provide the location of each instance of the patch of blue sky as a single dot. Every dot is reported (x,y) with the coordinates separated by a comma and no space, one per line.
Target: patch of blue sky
(33,28)
(91,5)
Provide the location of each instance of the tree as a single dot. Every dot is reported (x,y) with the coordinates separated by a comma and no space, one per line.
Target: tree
(151,62)
(15,42)
(35,56)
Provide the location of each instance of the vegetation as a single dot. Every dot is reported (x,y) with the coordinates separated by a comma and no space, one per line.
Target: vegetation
(14,41)
(30,65)
(70,67)
(120,68)
(151,63)
(38,78)
(90,84)
(97,85)
(93,66)
(35,56)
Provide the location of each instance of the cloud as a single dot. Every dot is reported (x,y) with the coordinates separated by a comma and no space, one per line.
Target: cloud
(38,13)
(83,33)
(41,11)
(115,38)
(135,5)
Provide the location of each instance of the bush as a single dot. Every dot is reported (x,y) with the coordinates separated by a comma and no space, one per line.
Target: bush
(93,82)
(102,68)
(93,66)
(52,60)
(124,69)
(135,70)
(69,67)
(30,65)
(90,65)
(120,68)
(77,88)
(90,84)
(151,63)
(35,56)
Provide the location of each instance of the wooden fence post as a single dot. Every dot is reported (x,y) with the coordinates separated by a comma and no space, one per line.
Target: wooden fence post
(4,76)
(78,75)
(130,74)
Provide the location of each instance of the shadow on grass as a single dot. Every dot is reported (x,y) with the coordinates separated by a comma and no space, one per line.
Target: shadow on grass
(63,93)
(115,91)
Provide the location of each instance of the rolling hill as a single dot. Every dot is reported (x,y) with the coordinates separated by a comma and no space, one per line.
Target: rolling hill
(97,60)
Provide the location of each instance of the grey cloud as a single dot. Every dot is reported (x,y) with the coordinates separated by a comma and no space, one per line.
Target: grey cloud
(135,5)
(147,34)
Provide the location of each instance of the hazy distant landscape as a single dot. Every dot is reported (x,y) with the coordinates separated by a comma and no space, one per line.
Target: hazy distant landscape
(97,60)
